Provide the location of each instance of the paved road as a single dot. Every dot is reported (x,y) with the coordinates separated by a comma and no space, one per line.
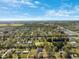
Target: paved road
(70,33)
(8,51)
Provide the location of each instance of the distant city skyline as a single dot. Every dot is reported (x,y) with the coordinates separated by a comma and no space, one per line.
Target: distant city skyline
(38,10)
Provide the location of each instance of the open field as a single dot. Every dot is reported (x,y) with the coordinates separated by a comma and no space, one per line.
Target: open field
(2,25)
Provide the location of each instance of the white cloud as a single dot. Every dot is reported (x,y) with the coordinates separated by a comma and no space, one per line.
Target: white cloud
(37,2)
(4,8)
(9,1)
(18,3)
(76,8)
(63,12)
(41,18)
(57,13)
(33,6)
(29,3)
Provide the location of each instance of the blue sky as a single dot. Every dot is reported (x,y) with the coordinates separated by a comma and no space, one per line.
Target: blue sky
(11,10)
